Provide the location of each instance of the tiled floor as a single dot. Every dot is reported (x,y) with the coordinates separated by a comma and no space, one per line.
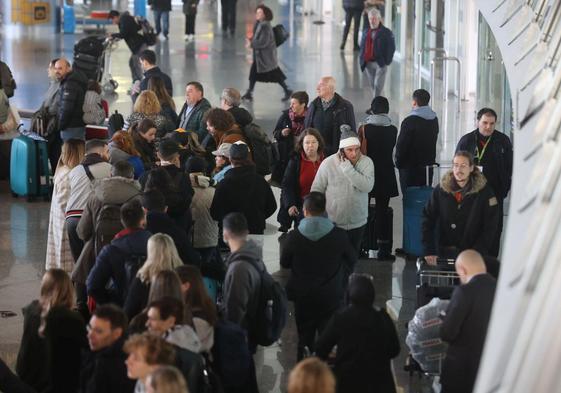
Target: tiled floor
(217,62)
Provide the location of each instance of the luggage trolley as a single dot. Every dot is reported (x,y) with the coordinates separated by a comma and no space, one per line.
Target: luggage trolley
(108,84)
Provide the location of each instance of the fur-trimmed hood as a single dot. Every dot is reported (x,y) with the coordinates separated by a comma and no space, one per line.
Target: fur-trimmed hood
(476,183)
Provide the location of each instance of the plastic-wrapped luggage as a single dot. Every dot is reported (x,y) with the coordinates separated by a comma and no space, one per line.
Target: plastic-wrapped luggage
(423,339)
(29,167)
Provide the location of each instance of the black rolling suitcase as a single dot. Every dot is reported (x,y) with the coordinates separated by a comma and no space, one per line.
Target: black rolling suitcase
(435,281)
(92,46)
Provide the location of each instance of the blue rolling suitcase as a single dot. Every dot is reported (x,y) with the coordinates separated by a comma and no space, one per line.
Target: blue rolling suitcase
(29,167)
(212,287)
(414,201)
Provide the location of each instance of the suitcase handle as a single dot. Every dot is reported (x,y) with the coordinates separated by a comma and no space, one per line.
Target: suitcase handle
(428,167)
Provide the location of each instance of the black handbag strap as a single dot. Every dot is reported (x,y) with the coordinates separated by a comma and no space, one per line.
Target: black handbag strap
(88,172)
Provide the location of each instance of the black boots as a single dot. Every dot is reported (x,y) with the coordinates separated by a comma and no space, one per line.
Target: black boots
(385,251)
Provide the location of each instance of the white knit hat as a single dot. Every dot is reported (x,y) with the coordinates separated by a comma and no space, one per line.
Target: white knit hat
(348,137)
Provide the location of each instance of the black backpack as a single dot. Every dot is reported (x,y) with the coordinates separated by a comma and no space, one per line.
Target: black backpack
(281,34)
(92,46)
(261,148)
(115,123)
(270,318)
(148,32)
(133,263)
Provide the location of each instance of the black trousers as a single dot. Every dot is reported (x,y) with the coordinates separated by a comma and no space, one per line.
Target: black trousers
(355,236)
(190,23)
(54,149)
(350,14)
(229,15)
(382,223)
(309,323)
(76,244)
(496,244)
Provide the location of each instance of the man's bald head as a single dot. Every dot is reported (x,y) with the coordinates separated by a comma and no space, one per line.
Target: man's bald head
(326,88)
(468,264)
(62,67)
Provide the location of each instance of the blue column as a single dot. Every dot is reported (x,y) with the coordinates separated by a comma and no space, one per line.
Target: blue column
(140,8)
(69,23)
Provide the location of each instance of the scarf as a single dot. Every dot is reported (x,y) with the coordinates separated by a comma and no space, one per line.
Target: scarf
(296,122)
(369,54)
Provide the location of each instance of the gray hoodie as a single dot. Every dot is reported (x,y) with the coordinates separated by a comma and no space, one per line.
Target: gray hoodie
(424,112)
(380,119)
(242,283)
(314,228)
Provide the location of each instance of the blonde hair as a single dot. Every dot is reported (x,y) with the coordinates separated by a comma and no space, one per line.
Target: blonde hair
(311,375)
(72,153)
(56,290)
(147,103)
(162,255)
(167,379)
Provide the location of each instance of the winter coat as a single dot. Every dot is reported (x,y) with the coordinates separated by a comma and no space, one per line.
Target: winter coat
(161,5)
(219,176)
(110,265)
(496,161)
(416,144)
(242,116)
(137,298)
(470,224)
(285,144)
(366,341)
(156,72)
(464,328)
(183,336)
(178,202)
(321,258)
(232,136)
(242,285)
(291,188)
(157,222)
(52,364)
(190,7)
(129,31)
(81,187)
(105,371)
(243,190)
(264,47)
(170,114)
(58,245)
(94,114)
(346,188)
(187,359)
(328,122)
(195,122)
(378,143)
(71,96)
(384,46)
(116,155)
(163,126)
(51,101)
(205,228)
(32,355)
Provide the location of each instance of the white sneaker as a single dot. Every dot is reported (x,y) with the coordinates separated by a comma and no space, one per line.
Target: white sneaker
(186,37)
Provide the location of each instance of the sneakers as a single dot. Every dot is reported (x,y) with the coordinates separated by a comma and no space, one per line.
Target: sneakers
(247,96)
(189,37)
(287,95)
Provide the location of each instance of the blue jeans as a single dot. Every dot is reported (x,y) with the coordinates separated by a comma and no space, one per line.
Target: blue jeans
(159,15)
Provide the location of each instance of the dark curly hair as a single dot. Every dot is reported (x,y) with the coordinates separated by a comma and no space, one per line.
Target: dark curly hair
(266,10)
(220,119)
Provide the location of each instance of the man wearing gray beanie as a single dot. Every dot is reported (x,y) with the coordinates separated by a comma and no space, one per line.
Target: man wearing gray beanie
(346,178)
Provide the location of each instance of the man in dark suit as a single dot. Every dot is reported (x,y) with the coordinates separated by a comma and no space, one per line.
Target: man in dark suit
(492,151)
(465,324)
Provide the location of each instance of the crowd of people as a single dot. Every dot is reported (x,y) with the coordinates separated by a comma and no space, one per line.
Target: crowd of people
(140,222)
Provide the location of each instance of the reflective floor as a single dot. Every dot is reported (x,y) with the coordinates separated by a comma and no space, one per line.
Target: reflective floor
(217,62)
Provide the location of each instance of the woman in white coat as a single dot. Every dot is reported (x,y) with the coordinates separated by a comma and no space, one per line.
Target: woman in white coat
(58,246)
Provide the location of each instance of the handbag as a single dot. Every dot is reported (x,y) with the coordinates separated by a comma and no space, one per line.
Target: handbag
(43,123)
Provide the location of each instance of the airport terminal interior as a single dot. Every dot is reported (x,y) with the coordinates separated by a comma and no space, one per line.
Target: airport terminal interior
(450,48)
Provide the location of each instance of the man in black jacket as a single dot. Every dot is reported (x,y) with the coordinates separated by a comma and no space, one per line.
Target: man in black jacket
(376,51)
(71,93)
(416,143)
(462,213)
(321,258)
(378,137)
(157,221)
(128,30)
(465,324)
(244,191)
(493,154)
(104,369)
(148,62)
(328,112)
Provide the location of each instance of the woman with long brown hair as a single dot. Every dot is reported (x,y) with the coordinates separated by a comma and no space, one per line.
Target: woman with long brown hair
(158,86)
(143,135)
(58,245)
(53,337)
(121,148)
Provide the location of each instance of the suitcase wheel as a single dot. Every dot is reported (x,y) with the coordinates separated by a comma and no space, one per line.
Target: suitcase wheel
(14,195)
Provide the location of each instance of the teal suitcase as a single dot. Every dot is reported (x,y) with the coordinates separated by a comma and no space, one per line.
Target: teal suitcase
(29,168)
